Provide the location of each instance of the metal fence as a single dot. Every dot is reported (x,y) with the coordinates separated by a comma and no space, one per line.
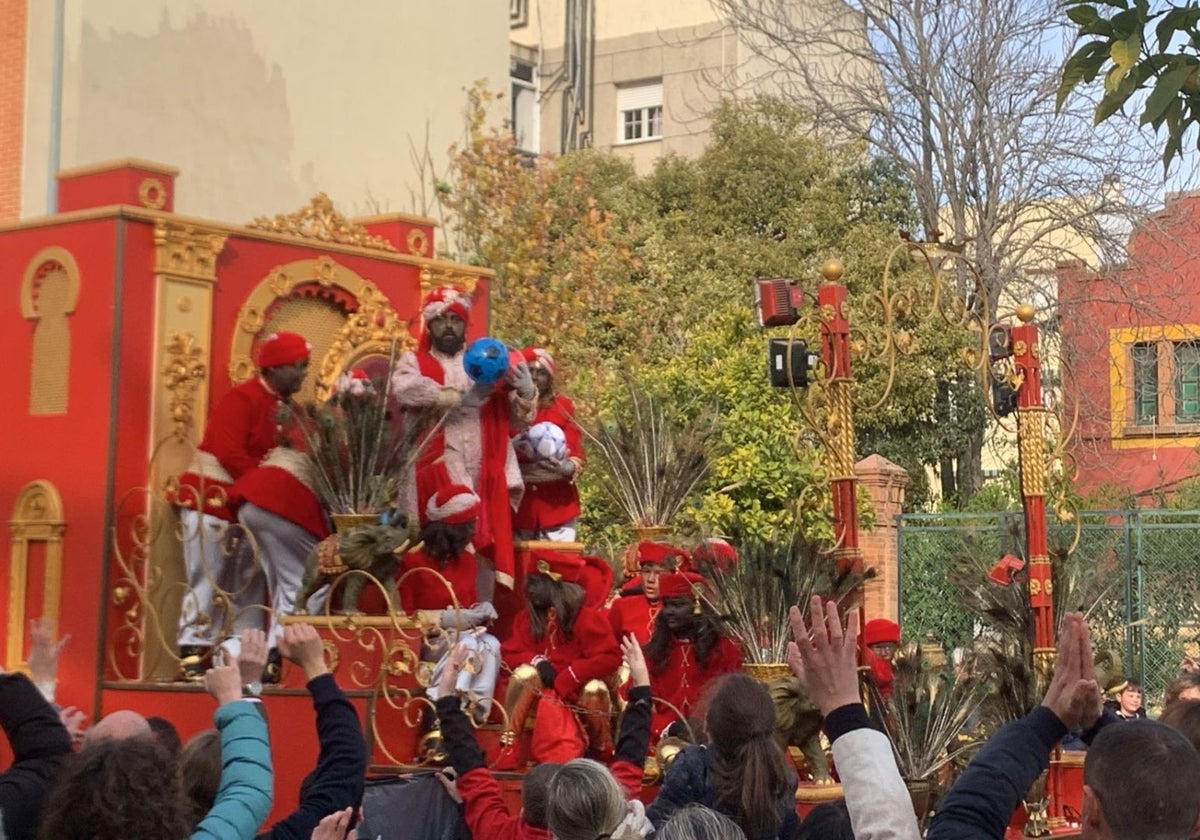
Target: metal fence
(1135,572)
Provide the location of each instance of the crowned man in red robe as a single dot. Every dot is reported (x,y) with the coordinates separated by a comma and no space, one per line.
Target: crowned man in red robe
(474,441)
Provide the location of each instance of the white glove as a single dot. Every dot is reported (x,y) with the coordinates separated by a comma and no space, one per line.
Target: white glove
(521,379)
(468,617)
(476,395)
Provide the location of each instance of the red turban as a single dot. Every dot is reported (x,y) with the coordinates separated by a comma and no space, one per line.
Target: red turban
(446,299)
(680,585)
(661,554)
(539,356)
(282,348)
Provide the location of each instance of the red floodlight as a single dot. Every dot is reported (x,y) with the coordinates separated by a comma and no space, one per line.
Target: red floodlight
(777,300)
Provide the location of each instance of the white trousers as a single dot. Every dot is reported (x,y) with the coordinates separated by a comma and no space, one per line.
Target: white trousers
(283,548)
(225,586)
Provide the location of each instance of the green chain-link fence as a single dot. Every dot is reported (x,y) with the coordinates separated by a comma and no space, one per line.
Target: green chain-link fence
(1136,573)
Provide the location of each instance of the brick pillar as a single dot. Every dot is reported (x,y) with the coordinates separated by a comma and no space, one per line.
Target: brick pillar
(12,104)
(885,482)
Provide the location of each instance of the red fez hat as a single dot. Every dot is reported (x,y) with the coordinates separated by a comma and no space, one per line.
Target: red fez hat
(282,348)
(596,577)
(680,585)
(661,554)
(715,552)
(556,565)
(880,631)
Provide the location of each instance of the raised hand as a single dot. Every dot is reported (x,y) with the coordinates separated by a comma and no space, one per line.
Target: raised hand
(455,662)
(44,651)
(1074,693)
(824,657)
(636,660)
(335,826)
(302,644)
(252,655)
(224,681)
(521,379)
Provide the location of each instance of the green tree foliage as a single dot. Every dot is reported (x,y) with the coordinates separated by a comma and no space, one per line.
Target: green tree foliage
(678,250)
(1139,47)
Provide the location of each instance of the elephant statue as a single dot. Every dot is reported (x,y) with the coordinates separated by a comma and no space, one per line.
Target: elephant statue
(374,549)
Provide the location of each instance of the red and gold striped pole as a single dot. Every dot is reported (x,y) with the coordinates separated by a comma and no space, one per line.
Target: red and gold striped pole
(835,355)
(1031,454)
(1031,449)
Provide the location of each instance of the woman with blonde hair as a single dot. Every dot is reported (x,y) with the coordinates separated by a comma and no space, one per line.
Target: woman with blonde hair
(585,802)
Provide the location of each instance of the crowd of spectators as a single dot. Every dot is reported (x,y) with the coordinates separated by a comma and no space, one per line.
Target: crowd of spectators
(127,776)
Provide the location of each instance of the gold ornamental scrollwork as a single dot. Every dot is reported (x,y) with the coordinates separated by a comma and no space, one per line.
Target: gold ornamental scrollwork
(376,329)
(184,372)
(319,220)
(281,282)
(187,250)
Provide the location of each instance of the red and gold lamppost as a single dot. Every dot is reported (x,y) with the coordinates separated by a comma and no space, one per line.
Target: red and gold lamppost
(1031,454)
(839,450)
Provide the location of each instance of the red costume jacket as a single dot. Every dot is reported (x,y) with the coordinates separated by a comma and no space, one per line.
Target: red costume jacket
(549,504)
(423,591)
(682,681)
(486,814)
(590,654)
(248,423)
(881,672)
(633,614)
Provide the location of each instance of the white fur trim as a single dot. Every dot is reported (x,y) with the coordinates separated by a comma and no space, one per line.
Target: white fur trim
(295,462)
(453,506)
(205,464)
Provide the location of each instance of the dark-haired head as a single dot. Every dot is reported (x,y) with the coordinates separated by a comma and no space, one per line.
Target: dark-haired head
(543,594)
(1140,783)
(1184,687)
(534,793)
(200,774)
(166,734)
(827,821)
(114,790)
(445,541)
(750,773)
(1184,716)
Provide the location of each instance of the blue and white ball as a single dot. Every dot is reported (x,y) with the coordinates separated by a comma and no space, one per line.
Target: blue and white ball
(547,441)
(486,361)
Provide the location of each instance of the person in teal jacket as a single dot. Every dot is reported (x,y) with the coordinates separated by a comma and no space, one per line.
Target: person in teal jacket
(244,793)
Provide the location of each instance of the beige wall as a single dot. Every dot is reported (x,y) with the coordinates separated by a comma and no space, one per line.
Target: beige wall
(613,18)
(262,104)
(699,58)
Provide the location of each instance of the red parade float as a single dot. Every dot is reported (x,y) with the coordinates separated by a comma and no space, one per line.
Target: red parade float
(125,324)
